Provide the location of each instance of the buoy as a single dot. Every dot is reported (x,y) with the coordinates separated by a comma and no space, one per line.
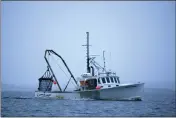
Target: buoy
(98,87)
(54,82)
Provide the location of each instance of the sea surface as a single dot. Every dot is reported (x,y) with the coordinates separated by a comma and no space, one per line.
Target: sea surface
(156,102)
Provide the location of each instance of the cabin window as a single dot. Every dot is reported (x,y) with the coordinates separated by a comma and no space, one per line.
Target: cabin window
(103,80)
(115,79)
(107,79)
(112,80)
(99,81)
(118,80)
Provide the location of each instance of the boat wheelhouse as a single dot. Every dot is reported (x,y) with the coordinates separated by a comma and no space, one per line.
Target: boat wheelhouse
(88,82)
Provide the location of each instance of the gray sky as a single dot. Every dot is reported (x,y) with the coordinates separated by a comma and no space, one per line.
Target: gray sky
(139,36)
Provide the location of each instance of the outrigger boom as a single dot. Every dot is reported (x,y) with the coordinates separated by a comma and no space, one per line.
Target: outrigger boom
(53,52)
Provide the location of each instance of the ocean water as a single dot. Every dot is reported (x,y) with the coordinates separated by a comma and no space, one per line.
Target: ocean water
(156,102)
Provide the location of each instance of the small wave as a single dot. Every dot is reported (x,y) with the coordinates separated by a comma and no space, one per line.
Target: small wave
(22,98)
(157,108)
(17,98)
(5,97)
(83,99)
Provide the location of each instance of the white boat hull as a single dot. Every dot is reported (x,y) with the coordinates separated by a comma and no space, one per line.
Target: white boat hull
(57,95)
(122,92)
(126,92)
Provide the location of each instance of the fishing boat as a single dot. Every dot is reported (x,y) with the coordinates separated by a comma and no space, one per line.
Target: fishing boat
(97,83)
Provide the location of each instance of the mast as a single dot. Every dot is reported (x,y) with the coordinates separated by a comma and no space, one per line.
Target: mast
(88,68)
(88,57)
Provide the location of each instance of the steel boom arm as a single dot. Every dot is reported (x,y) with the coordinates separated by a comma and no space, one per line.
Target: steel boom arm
(53,52)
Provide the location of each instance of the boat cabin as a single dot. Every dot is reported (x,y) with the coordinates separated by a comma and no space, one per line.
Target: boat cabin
(93,82)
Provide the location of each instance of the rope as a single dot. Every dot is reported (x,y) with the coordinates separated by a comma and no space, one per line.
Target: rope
(60,67)
(62,70)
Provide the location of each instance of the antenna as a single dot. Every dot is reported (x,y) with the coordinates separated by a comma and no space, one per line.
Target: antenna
(110,61)
(104,61)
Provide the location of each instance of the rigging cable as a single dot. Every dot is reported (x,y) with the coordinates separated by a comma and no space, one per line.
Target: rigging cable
(62,70)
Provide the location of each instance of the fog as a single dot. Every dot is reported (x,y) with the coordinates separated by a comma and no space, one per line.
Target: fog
(138,37)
